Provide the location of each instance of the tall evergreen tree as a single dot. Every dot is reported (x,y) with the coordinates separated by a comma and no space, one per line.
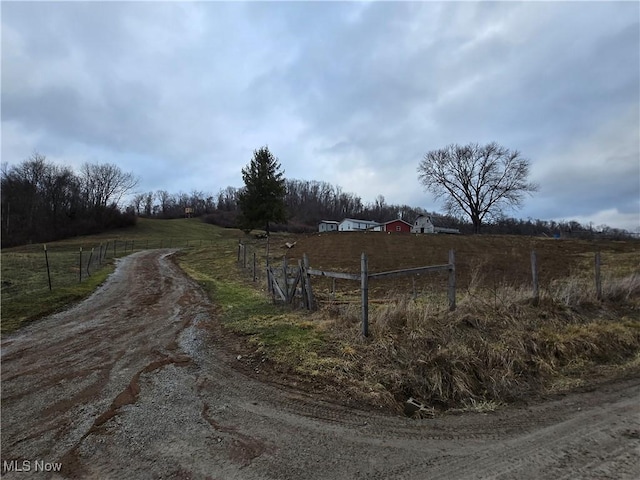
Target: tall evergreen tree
(262,199)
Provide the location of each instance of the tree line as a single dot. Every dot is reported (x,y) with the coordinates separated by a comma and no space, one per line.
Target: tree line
(43,201)
(307,202)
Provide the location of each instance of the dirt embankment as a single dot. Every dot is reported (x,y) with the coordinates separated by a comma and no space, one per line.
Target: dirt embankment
(134,383)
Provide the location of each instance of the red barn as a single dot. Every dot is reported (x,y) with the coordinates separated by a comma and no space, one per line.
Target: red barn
(399,226)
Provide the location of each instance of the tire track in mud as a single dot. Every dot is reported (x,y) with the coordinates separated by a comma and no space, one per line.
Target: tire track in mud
(59,374)
(136,383)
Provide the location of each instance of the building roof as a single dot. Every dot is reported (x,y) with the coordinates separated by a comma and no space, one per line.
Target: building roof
(369,222)
(397,220)
(329,221)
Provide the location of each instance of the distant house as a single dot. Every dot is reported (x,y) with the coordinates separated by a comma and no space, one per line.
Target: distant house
(355,225)
(328,226)
(398,225)
(424,224)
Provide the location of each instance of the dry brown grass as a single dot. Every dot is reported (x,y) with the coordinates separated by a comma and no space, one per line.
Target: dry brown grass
(496,347)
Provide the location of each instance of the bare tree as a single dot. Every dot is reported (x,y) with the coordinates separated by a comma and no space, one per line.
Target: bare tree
(477,181)
(166,201)
(105,184)
(137,201)
(148,203)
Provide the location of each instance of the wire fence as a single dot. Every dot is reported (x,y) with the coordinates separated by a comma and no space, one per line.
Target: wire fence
(38,268)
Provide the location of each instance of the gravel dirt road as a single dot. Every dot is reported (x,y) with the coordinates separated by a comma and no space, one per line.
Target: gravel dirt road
(135,383)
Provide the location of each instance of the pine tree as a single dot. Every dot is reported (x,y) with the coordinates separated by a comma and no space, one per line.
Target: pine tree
(262,199)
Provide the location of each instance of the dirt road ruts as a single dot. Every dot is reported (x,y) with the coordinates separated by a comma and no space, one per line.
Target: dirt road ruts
(132,383)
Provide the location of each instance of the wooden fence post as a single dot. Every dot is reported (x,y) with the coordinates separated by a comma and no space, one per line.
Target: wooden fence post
(364,287)
(269,286)
(598,278)
(307,282)
(80,269)
(254,267)
(89,261)
(268,249)
(239,247)
(285,285)
(303,291)
(451,294)
(46,258)
(244,256)
(534,276)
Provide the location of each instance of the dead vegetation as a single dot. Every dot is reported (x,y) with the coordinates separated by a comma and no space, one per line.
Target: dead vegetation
(497,346)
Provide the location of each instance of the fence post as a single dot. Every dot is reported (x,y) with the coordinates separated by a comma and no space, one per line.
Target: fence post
(534,275)
(89,262)
(254,266)
(364,286)
(80,269)
(303,292)
(239,246)
(269,286)
(267,250)
(46,259)
(451,293)
(285,271)
(598,279)
(244,256)
(307,282)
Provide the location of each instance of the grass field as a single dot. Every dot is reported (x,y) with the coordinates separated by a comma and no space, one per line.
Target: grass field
(25,286)
(496,347)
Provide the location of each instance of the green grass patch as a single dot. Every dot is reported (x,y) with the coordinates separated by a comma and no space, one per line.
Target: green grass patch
(24,280)
(279,334)
(22,308)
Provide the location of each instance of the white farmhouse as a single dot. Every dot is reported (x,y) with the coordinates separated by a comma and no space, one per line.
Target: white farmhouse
(355,225)
(328,226)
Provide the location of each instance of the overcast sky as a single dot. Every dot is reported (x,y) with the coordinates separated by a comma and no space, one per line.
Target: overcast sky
(351,93)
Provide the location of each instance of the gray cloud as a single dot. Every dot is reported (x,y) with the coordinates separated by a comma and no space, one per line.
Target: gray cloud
(349,93)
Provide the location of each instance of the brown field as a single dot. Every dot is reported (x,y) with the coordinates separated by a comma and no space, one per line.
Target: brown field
(487,261)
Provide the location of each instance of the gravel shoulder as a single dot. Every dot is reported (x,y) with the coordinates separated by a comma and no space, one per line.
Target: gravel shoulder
(134,382)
